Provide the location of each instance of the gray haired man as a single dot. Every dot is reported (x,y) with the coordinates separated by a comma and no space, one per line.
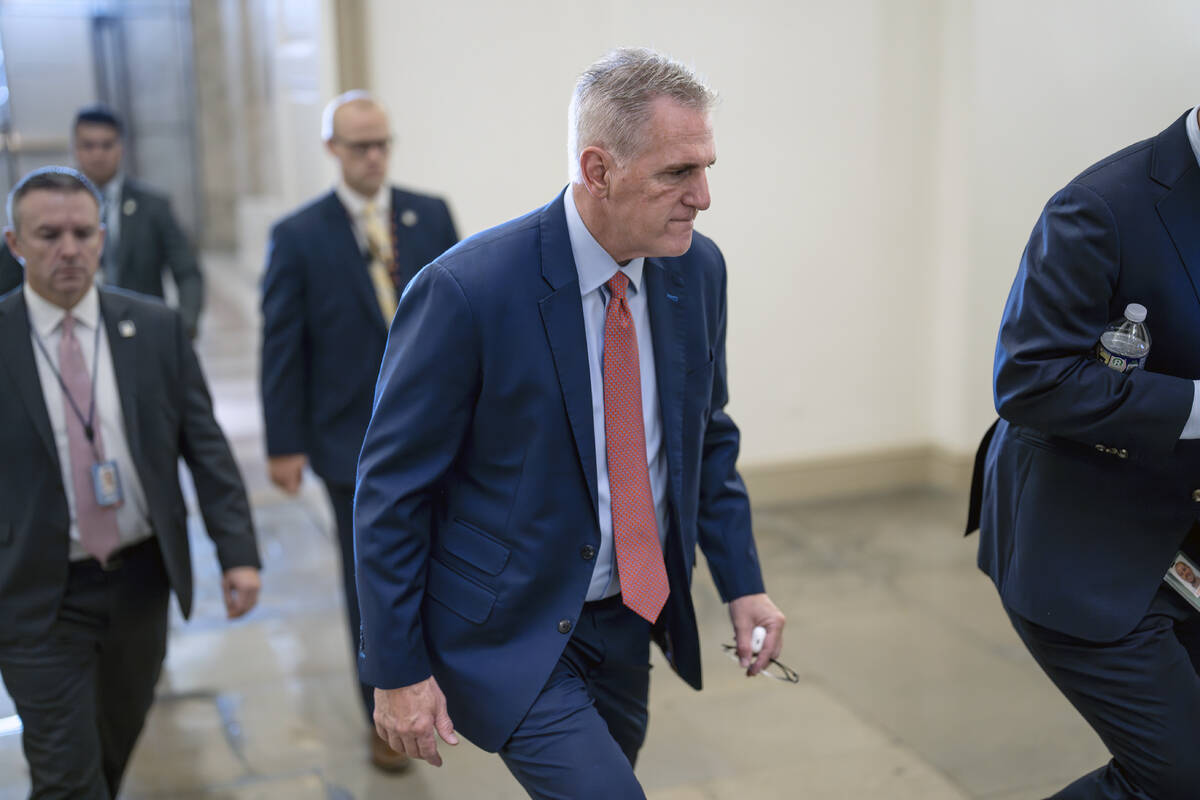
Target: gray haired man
(548,447)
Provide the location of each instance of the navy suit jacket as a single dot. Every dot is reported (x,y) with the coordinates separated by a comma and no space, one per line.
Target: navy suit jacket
(476,512)
(1087,490)
(167,413)
(323,332)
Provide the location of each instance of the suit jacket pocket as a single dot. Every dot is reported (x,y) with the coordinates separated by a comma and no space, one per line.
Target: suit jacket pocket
(470,600)
(480,550)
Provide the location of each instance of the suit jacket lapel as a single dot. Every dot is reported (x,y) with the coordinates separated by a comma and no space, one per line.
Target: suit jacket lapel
(16,355)
(122,336)
(562,316)
(1178,211)
(665,299)
(129,224)
(402,241)
(1174,166)
(348,259)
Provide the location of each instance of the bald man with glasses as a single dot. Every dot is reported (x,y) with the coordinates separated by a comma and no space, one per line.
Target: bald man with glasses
(335,269)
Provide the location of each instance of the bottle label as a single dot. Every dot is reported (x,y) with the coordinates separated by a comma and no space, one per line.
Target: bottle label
(1119,363)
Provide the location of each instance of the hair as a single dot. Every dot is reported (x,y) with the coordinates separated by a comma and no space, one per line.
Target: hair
(331,109)
(613,99)
(98,115)
(51,179)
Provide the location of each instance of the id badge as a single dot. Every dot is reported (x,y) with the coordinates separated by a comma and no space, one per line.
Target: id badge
(106,481)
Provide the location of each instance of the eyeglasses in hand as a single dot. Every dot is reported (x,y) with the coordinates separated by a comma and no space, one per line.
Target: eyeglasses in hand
(774,669)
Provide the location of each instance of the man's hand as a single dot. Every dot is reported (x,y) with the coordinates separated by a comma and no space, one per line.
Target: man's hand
(286,471)
(408,717)
(240,587)
(747,612)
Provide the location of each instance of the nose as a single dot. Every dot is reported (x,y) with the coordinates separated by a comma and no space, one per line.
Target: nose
(697,195)
(70,246)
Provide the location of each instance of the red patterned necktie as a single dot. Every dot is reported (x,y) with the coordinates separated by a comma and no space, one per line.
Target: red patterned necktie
(635,528)
(97,524)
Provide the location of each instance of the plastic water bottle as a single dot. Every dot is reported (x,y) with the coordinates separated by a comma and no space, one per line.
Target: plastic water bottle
(1125,343)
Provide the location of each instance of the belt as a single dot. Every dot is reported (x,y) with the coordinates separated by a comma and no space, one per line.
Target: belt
(604,603)
(116,561)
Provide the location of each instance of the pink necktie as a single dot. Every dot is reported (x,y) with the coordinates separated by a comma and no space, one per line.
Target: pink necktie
(635,528)
(97,524)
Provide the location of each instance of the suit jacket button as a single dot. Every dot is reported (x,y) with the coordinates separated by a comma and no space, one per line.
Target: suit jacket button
(1196,495)
(564,626)
(587,552)
(1123,453)
(1101,448)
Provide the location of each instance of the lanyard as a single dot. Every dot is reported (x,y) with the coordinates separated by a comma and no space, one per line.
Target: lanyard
(88,430)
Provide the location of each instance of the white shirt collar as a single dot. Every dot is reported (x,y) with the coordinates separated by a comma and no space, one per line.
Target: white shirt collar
(111,191)
(356,204)
(593,263)
(1193,132)
(45,317)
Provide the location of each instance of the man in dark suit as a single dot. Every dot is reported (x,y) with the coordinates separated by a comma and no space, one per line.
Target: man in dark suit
(334,270)
(100,396)
(1090,482)
(142,237)
(549,444)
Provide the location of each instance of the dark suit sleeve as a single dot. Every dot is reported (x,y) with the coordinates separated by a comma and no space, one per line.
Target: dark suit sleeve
(1046,373)
(11,271)
(181,259)
(424,403)
(725,533)
(219,487)
(285,357)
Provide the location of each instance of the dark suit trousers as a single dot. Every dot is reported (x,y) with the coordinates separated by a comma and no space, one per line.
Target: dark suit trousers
(342,500)
(1141,694)
(83,691)
(581,738)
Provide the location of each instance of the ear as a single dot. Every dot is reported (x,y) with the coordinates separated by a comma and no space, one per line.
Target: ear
(10,238)
(329,147)
(596,167)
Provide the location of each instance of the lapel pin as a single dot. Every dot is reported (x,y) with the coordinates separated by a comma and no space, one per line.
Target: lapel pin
(408,218)
(126,327)
(128,207)
(672,298)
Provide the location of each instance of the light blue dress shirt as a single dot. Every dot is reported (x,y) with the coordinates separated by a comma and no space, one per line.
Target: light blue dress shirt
(595,267)
(1192,429)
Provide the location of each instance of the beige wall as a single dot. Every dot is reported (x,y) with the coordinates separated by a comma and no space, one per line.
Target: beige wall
(880,166)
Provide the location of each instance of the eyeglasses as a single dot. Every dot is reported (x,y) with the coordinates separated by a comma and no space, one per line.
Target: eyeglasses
(364,147)
(774,669)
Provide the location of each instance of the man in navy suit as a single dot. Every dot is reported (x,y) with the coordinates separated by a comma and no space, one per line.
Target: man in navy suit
(1090,482)
(548,446)
(334,270)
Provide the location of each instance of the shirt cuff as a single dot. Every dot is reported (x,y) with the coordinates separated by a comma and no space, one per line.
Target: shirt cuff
(1192,429)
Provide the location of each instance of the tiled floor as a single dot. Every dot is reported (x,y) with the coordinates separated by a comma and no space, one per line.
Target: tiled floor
(913,686)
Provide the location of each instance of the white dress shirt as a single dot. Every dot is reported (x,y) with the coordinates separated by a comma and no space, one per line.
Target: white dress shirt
(595,267)
(111,212)
(45,324)
(356,208)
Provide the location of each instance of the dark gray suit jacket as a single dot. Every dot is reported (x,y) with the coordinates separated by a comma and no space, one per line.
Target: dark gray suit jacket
(167,413)
(150,241)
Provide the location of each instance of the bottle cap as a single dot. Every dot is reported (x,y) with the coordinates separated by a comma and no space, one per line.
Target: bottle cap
(1135,312)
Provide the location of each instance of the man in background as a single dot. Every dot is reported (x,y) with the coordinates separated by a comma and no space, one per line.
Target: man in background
(142,237)
(100,396)
(334,271)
